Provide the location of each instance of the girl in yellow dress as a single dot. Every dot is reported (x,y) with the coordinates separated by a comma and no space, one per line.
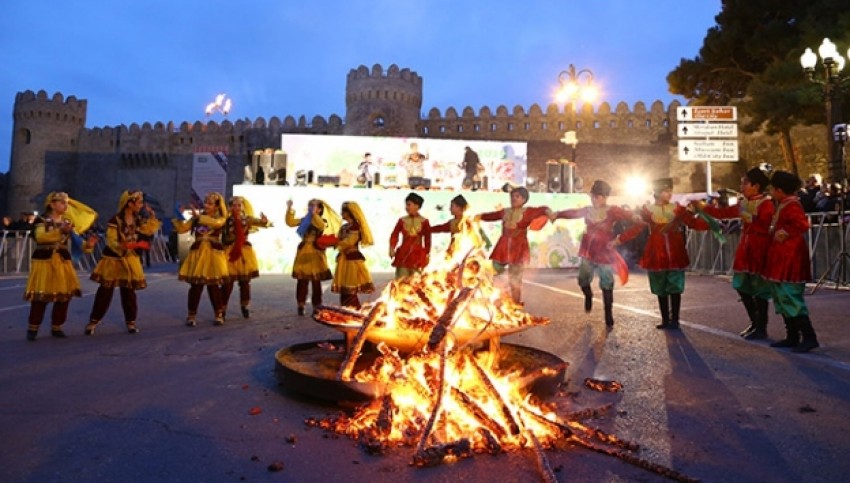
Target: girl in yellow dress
(311,264)
(351,276)
(120,265)
(52,276)
(242,263)
(206,264)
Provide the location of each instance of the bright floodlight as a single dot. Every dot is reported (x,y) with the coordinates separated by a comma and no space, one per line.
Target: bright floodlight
(827,50)
(222,104)
(636,186)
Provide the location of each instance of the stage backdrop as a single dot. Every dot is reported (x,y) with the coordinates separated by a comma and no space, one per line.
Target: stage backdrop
(503,161)
(556,245)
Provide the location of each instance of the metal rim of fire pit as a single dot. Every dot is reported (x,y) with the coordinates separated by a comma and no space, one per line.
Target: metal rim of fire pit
(310,368)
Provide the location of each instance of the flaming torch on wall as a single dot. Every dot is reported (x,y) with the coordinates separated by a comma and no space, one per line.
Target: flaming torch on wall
(221,104)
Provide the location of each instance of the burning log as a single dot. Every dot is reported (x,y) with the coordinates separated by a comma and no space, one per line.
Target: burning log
(478,413)
(503,406)
(588,413)
(331,314)
(354,351)
(435,455)
(449,316)
(603,386)
(639,462)
(543,465)
(420,448)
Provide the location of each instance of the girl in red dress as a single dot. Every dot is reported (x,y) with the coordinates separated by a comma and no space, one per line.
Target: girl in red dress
(412,255)
(512,251)
(787,267)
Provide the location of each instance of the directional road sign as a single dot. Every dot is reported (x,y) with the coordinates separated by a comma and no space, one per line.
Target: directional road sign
(706,113)
(708,150)
(708,130)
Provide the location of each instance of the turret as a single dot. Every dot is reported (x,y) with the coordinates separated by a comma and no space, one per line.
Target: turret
(382,104)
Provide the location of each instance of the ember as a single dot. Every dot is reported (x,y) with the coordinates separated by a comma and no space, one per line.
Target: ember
(444,390)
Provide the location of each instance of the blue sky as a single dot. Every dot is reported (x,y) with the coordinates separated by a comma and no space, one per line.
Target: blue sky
(155,60)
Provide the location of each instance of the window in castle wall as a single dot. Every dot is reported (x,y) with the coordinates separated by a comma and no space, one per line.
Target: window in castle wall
(510,126)
(527,126)
(666,123)
(630,123)
(649,123)
(395,96)
(493,127)
(460,128)
(595,124)
(191,140)
(424,129)
(561,125)
(578,125)
(25,136)
(476,127)
(73,142)
(181,140)
(442,129)
(612,123)
(544,126)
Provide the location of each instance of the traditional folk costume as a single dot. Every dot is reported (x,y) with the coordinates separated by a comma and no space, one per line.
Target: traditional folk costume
(242,263)
(311,264)
(788,267)
(415,232)
(120,266)
(596,250)
(351,276)
(665,257)
(206,264)
(512,251)
(52,275)
(756,213)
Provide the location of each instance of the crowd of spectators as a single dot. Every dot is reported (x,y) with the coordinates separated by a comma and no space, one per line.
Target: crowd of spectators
(24,223)
(817,197)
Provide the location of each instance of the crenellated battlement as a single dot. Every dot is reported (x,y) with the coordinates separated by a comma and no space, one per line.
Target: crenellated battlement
(377,72)
(34,107)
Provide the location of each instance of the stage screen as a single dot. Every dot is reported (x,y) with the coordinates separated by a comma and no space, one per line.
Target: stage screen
(502,161)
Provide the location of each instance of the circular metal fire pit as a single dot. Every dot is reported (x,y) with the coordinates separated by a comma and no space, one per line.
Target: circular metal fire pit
(311,368)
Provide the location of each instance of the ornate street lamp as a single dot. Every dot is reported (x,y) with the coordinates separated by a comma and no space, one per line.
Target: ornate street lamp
(832,83)
(576,85)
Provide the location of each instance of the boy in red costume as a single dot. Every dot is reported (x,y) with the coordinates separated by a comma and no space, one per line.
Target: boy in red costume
(597,246)
(512,251)
(665,257)
(787,267)
(755,211)
(412,255)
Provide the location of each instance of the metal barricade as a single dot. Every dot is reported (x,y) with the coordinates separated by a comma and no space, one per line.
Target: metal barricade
(708,256)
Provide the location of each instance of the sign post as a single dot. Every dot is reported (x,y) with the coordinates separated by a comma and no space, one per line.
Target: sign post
(707,133)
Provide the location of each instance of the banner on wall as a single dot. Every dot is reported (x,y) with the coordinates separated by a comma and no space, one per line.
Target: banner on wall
(340,156)
(209,173)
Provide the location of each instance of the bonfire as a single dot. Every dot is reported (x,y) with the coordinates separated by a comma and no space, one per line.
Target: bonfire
(445,392)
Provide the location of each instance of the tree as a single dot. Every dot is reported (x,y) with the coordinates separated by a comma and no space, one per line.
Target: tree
(751,59)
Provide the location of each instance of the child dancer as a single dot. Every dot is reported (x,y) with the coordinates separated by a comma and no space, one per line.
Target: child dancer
(413,254)
(242,263)
(206,264)
(597,246)
(787,267)
(458,209)
(756,212)
(52,276)
(351,276)
(512,251)
(121,265)
(665,257)
(311,263)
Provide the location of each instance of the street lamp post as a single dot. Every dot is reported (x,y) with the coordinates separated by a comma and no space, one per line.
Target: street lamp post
(832,83)
(574,84)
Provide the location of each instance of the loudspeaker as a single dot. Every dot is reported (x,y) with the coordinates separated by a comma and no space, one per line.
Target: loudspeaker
(417,181)
(310,177)
(554,179)
(334,180)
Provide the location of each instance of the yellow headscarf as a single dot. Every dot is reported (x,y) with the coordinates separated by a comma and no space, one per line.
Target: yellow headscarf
(219,202)
(80,214)
(357,213)
(332,219)
(127,197)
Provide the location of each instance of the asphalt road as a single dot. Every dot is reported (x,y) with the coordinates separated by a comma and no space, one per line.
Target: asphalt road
(175,404)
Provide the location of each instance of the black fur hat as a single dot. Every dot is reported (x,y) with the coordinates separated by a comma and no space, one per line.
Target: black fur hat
(415,199)
(757,176)
(785,181)
(600,188)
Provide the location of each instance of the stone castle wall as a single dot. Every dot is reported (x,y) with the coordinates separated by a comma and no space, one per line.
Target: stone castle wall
(52,148)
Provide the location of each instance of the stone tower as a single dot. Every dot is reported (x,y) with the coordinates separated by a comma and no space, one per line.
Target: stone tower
(382,104)
(41,125)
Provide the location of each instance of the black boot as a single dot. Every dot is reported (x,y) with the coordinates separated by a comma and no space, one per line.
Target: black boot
(810,339)
(752,312)
(760,330)
(792,334)
(675,303)
(588,298)
(664,307)
(608,301)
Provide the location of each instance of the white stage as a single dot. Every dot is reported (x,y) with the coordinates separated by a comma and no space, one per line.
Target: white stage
(554,246)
